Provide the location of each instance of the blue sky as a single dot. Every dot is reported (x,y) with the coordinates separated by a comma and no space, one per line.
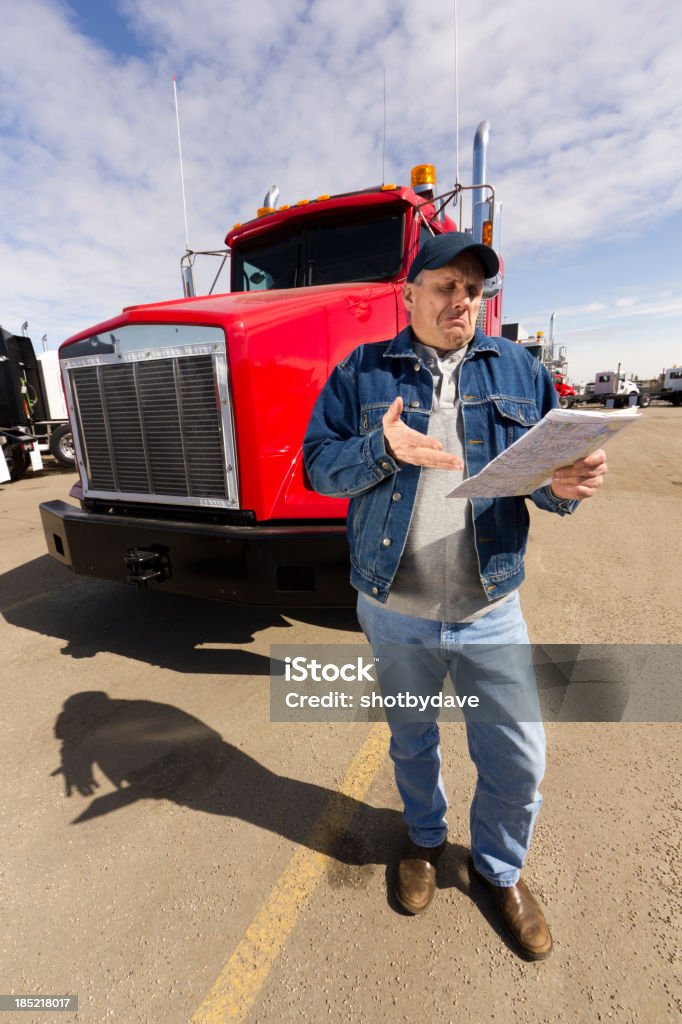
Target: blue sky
(584,100)
(106,24)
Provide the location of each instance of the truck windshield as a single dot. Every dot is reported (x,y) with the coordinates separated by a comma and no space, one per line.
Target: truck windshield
(328,250)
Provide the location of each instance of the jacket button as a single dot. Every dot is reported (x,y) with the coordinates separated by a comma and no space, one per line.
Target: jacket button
(375,590)
(414,405)
(417,366)
(396,496)
(387,542)
(385,465)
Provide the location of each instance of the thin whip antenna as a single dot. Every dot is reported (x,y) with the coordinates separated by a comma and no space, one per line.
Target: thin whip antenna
(456,95)
(383,155)
(182,175)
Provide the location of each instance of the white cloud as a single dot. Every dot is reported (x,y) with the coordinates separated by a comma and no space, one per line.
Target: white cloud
(650,309)
(584,102)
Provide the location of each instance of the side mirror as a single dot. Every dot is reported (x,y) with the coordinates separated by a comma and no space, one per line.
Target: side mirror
(492,286)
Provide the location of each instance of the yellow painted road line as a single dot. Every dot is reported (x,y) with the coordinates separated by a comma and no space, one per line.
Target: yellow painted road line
(245,973)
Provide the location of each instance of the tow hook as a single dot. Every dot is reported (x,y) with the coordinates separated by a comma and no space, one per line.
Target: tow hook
(146,565)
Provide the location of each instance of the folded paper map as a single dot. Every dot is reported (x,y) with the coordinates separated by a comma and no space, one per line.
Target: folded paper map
(562,437)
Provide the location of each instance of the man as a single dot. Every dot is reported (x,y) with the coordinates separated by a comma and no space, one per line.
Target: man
(393,430)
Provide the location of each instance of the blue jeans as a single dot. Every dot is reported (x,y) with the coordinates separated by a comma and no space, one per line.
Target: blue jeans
(509,755)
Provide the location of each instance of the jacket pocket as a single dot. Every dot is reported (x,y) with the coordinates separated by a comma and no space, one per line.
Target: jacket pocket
(371,416)
(515,416)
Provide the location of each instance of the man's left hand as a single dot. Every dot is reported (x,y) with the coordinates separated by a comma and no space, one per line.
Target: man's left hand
(582,479)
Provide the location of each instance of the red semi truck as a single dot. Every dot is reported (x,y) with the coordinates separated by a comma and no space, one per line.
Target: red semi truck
(188,415)
(565,391)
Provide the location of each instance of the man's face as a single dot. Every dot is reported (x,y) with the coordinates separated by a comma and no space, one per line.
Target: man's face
(443,304)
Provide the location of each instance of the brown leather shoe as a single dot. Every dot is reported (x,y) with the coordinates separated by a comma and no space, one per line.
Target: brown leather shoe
(522,916)
(416,881)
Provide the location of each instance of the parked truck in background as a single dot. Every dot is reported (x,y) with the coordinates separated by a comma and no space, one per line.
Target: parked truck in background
(670,389)
(188,415)
(566,392)
(550,352)
(612,385)
(33,415)
(54,430)
(18,445)
(666,388)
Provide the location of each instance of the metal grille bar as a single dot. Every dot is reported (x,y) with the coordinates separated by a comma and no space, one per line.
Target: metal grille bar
(155,428)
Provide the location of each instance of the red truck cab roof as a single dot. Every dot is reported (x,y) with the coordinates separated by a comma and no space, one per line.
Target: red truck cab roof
(380,227)
(379,195)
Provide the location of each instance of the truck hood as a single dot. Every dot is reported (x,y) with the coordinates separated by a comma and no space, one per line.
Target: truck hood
(252,307)
(281,347)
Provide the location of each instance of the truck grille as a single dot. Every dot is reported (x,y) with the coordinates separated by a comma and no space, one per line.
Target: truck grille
(155,426)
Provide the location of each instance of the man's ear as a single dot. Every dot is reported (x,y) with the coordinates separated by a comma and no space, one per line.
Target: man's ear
(408,297)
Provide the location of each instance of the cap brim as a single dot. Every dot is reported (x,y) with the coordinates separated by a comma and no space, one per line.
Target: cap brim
(486,256)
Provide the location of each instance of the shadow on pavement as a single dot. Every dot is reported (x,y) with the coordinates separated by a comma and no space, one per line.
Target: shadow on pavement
(154,751)
(166,630)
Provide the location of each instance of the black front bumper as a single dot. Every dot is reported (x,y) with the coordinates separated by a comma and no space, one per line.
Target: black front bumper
(289,564)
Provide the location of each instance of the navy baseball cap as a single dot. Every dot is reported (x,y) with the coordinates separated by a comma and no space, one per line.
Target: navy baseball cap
(441,249)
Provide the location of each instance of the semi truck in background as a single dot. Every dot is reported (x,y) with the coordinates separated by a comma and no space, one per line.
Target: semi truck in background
(624,390)
(33,416)
(670,386)
(188,415)
(612,386)
(566,392)
(18,445)
(551,354)
(54,431)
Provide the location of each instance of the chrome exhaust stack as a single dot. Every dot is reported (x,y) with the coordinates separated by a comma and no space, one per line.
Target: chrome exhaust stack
(480,204)
(187,276)
(271,198)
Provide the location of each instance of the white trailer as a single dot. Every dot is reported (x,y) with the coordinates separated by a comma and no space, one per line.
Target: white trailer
(54,432)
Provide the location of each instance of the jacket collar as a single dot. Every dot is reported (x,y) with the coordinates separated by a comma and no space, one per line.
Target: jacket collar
(401,346)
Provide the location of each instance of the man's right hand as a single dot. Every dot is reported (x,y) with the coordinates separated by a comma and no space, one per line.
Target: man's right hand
(407,445)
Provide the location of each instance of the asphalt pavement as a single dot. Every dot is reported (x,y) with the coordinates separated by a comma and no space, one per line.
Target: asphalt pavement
(170,854)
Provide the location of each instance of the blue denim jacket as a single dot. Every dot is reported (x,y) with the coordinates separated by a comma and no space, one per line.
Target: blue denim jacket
(503,391)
